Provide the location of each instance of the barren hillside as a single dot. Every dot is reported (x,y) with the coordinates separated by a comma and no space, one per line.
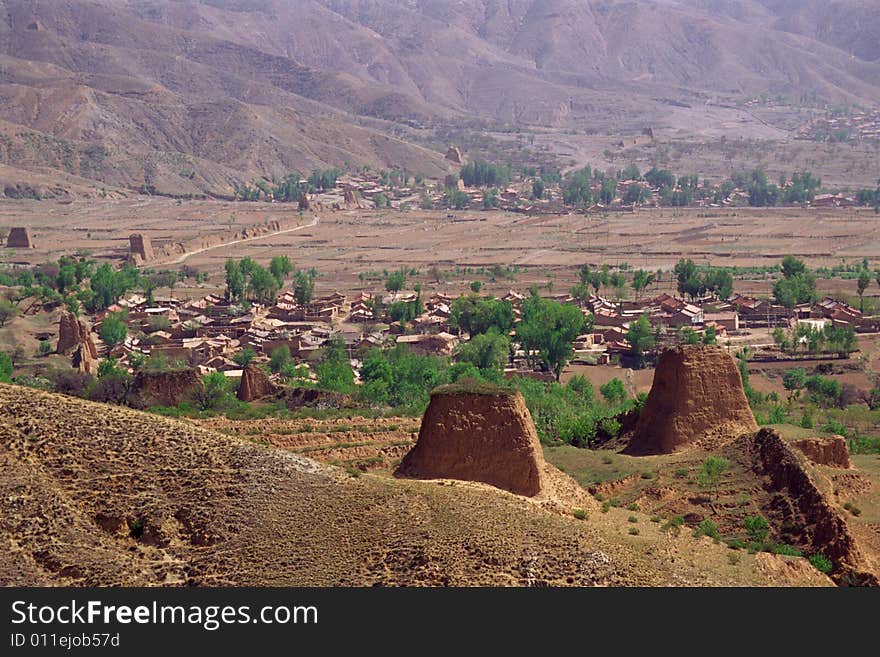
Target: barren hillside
(98,495)
(189,97)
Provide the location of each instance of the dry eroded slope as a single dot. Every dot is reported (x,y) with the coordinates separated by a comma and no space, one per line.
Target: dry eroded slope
(94,494)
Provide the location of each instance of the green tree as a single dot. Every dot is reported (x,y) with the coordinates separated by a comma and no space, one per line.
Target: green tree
(689,282)
(479,173)
(792,267)
(486,351)
(548,330)
(794,381)
(108,285)
(334,372)
(377,377)
(491,199)
(235,281)
(5,367)
(245,357)
(710,336)
(280,268)
(797,285)
(660,178)
(475,286)
(630,172)
(215,392)
(608,191)
(396,280)
(304,286)
(475,315)
(711,472)
(263,286)
(641,280)
(279,357)
(640,338)
(862,284)
(757,527)
(113,330)
(614,391)
(8,311)
(456,199)
(688,335)
(538,189)
(577,187)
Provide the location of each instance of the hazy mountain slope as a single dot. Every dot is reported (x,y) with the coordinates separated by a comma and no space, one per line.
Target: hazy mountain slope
(189,96)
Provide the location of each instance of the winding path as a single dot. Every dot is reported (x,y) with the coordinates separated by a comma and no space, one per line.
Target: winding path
(182,258)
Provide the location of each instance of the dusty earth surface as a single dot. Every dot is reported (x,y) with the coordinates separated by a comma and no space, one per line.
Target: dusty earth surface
(486,436)
(99,495)
(696,397)
(344,244)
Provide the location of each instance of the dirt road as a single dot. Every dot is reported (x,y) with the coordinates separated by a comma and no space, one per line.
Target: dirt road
(183,258)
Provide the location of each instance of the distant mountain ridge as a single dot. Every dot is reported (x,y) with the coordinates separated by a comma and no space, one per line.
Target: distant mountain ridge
(192,96)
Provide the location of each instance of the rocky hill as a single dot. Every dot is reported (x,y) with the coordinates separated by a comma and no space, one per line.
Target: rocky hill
(99,495)
(190,97)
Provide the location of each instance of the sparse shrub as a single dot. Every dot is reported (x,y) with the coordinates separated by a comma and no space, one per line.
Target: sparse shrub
(852,508)
(633,507)
(673,525)
(787,550)
(136,527)
(733,558)
(214,394)
(736,544)
(712,470)
(605,507)
(580,514)
(45,348)
(244,357)
(821,563)
(681,473)
(647,475)
(615,503)
(634,531)
(71,382)
(607,460)
(707,528)
(757,527)
(632,519)
(656,518)
(5,367)
(807,420)
(599,497)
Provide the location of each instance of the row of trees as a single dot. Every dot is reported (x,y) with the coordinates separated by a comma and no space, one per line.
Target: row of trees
(290,188)
(803,337)
(247,280)
(479,173)
(694,282)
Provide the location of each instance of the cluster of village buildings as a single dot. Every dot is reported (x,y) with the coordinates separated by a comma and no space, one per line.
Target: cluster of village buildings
(859,124)
(207,333)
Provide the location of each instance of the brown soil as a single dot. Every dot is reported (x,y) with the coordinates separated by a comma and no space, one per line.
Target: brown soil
(355,443)
(478,437)
(697,396)
(165,388)
(254,384)
(101,495)
(804,507)
(825,451)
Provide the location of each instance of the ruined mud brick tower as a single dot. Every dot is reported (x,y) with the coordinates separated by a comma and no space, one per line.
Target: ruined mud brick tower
(139,248)
(19,238)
